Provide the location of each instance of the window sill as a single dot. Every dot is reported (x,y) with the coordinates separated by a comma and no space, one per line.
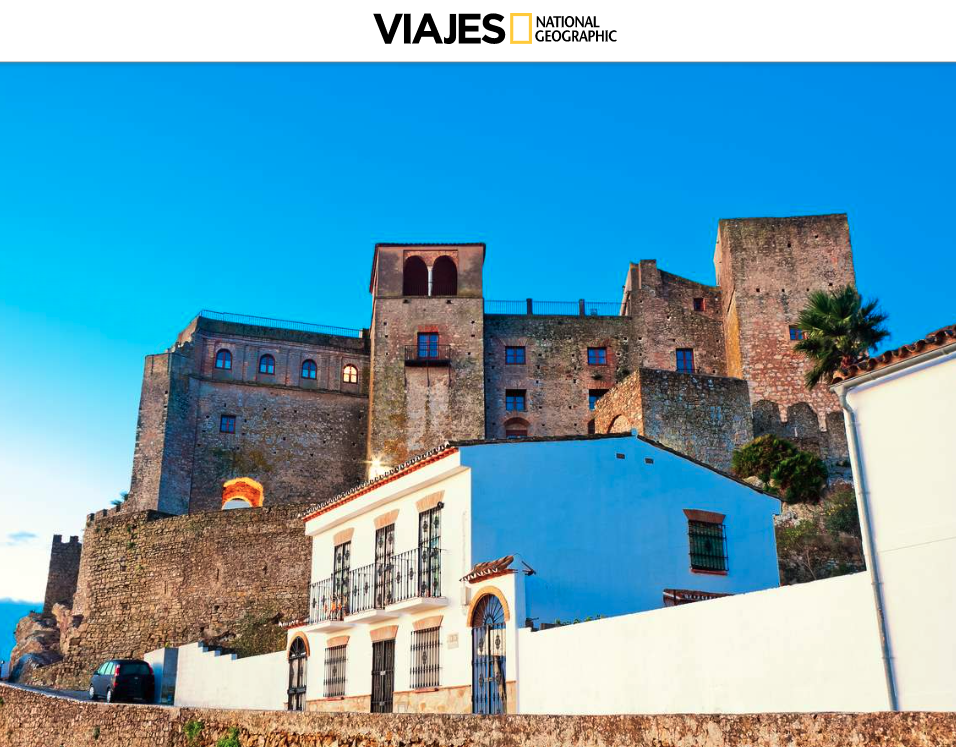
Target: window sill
(708,573)
(426,689)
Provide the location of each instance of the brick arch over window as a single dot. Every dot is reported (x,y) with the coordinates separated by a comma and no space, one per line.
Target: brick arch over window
(484,592)
(516,427)
(444,277)
(620,424)
(298,637)
(243,489)
(415,277)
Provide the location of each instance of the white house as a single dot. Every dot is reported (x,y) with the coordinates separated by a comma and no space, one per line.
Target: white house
(901,426)
(422,578)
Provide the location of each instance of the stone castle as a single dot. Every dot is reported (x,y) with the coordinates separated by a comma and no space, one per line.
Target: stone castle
(279,415)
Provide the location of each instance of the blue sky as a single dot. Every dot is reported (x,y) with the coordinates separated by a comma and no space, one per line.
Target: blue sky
(133,196)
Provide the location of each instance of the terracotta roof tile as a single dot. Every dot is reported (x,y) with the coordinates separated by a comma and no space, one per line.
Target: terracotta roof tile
(934,340)
(490,569)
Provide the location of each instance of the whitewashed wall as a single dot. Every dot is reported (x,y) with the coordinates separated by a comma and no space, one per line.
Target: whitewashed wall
(906,426)
(210,680)
(812,647)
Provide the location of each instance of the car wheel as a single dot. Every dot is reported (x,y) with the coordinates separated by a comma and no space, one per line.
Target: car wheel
(109,695)
(92,693)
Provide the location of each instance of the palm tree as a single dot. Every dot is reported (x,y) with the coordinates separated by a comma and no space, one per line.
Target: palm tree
(124,494)
(838,329)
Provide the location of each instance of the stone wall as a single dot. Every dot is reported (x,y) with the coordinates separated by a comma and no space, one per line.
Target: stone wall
(704,417)
(147,580)
(556,375)
(32,718)
(64,567)
(314,429)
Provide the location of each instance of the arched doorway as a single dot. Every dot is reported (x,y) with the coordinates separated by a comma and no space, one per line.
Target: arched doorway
(620,424)
(242,492)
(444,277)
(488,657)
(415,277)
(298,659)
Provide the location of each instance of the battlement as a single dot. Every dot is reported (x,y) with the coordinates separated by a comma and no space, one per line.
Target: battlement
(63,571)
(58,540)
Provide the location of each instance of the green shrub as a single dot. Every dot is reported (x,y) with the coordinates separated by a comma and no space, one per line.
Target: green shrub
(840,514)
(192,730)
(761,456)
(230,740)
(801,478)
(96,732)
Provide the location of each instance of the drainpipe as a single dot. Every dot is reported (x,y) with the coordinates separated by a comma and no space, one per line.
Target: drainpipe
(862,500)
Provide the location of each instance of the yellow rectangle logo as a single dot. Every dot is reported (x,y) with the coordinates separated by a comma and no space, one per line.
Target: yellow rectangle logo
(521,37)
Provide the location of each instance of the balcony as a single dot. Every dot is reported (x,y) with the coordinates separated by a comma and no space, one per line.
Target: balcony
(428,355)
(407,582)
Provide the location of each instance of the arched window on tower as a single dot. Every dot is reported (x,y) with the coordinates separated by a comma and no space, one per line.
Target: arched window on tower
(350,374)
(309,369)
(224,360)
(267,365)
(516,428)
(444,277)
(415,277)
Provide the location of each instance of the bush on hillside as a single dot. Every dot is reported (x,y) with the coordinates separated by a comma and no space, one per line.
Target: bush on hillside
(761,456)
(800,478)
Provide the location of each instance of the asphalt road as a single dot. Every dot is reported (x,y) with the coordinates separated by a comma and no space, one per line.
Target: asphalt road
(68,694)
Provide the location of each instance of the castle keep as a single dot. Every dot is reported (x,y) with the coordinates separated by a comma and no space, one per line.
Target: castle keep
(246,410)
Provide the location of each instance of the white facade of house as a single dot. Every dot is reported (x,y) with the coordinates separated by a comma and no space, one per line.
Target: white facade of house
(903,426)
(598,527)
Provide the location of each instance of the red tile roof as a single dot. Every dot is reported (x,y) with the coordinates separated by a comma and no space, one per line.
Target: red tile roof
(490,569)
(934,340)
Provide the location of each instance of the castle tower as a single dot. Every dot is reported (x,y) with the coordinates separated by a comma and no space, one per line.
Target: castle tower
(766,269)
(427,362)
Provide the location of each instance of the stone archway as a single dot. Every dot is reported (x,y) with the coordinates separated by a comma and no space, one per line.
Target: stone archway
(242,489)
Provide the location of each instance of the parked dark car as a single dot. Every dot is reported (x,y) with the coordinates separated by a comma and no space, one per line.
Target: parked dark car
(122,679)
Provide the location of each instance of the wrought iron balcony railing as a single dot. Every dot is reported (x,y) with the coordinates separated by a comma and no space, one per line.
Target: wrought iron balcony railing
(427,355)
(411,574)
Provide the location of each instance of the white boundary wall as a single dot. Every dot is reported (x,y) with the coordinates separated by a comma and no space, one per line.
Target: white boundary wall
(208,679)
(811,647)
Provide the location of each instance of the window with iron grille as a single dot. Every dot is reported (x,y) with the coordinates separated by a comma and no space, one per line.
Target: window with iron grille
(335,671)
(515,400)
(708,546)
(429,552)
(341,567)
(685,360)
(426,658)
(227,424)
(597,356)
(796,333)
(514,355)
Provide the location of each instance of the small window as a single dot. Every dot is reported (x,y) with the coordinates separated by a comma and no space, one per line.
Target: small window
(224,360)
(267,365)
(227,424)
(708,546)
(350,374)
(427,344)
(426,658)
(597,356)
(685,360)
(698,304)
(593,396)
(514,355)
(335,662)
(796,333)
(515,400)
(516,432)
(309,369)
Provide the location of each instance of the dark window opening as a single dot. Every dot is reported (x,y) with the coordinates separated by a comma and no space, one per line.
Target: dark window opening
(708,546)
(685,360)
(427,344)
(515,400)
(594,395)
(514,355)
(597,356)
(444,277)
(309,369)
(796,333)
(415,277)
(429,552)
(298,660)
(335,661)
(426,661)
(224,360)
(341,567)
(227,424)
(383,676)
(267,365)
(698,304)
